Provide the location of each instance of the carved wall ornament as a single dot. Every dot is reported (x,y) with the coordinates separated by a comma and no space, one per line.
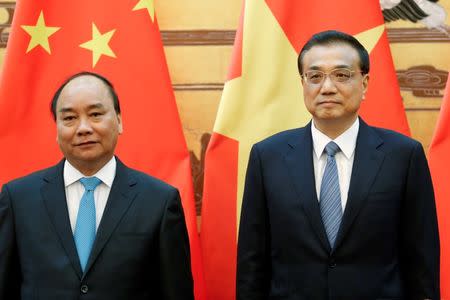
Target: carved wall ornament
(423,81)
(198,167)
(9,8)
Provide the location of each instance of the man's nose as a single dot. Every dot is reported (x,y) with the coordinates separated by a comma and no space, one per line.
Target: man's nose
(328,86)
(84,127)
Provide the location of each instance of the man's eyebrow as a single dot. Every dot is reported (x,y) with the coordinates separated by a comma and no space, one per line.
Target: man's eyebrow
(96,105)
(65,109)
(335,67)
(343,67)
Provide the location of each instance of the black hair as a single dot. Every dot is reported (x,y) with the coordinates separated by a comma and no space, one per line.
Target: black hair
(331,37)
(108,84)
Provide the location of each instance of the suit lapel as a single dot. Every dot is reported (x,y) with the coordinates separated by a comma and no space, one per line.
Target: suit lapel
(366,166)
(120,198)
(54,196)
(300,164)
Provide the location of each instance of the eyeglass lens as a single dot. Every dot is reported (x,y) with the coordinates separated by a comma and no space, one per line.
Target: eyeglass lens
(336,75)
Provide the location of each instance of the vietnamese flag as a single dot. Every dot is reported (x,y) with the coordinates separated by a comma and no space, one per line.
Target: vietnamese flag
(51,40)
(439,160)
(263,95)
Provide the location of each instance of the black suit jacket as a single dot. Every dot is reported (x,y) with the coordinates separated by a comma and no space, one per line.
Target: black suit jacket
(387,246)
(141,250)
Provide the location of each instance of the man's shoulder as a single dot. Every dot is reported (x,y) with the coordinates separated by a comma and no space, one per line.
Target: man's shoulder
(282,137)
(394,138)
(31,179)
(148,181)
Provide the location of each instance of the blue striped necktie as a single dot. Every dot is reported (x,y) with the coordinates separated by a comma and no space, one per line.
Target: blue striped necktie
(84,234)
(330,195)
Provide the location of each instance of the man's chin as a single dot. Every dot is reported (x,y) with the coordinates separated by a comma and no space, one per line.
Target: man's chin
(85,158)
(328,116)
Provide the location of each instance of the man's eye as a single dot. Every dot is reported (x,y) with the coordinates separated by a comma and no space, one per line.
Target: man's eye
(342,75)
(96,114)
(315,76)
(68,118)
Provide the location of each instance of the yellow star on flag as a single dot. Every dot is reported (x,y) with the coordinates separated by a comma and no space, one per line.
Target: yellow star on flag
(39,34)
(99,44)
(149,5)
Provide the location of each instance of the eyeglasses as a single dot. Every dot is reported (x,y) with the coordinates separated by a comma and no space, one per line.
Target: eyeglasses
(340,75)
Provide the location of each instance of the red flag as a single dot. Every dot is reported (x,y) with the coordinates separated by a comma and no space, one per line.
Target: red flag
(439,160)
(51,40)
(263,95)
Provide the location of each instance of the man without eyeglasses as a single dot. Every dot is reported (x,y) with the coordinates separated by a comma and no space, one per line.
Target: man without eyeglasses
(337,209)
(90,227)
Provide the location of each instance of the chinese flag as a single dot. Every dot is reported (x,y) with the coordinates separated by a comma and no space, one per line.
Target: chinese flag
(439,160)
(51,40)
(263,95)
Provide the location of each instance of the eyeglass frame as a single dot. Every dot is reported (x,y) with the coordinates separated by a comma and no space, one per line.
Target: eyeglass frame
(326,74)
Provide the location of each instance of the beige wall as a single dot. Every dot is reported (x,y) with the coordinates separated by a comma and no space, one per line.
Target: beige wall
(4,16)
(422,112)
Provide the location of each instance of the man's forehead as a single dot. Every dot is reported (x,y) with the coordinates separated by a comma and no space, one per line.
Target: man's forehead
(85,83)
(69,107)
(343,48)
(339,55)
(87,86)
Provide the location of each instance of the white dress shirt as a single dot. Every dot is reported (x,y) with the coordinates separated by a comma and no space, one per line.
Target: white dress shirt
(75,190)
(344,158)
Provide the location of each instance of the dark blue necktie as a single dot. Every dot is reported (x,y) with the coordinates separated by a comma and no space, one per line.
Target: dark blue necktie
(330,195)
(85,227)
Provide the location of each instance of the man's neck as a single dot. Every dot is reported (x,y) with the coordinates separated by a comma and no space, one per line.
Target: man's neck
(333,128)
(89,168)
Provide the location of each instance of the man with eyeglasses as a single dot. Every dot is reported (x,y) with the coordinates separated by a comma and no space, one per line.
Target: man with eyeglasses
(337,209)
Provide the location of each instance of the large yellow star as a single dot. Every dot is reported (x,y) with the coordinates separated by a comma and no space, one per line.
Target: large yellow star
(39,34)
(99,44)
(149,5)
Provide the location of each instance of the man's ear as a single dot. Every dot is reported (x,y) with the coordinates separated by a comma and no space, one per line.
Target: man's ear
(365,83)
(119,120)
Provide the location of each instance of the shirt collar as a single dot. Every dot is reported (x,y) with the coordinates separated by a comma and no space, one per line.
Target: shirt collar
(106,174)
(346,141)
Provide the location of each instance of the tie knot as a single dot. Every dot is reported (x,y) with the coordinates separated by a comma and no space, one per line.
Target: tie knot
(332,148)
(90,183)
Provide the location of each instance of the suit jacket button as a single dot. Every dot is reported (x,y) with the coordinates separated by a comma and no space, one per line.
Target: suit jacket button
(332,263)
(84,289)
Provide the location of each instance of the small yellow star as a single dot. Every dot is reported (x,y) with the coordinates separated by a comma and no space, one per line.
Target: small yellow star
(39,34)
(99,44)
(147,4)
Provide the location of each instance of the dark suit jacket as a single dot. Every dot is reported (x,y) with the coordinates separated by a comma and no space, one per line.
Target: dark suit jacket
(387,246)
(141,249)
